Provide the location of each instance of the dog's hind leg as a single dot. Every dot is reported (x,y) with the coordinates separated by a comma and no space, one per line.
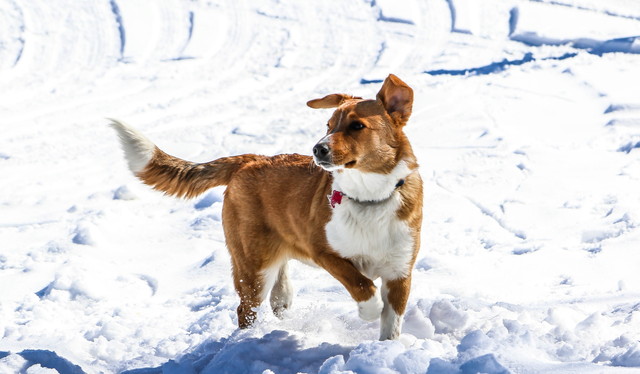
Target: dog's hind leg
(282,292)
(254,286)
(250,289)
(254,272)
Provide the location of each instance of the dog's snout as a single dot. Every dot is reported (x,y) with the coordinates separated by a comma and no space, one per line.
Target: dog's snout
(321,150)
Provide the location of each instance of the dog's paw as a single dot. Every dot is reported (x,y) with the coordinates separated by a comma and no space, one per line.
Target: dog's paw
(371,309)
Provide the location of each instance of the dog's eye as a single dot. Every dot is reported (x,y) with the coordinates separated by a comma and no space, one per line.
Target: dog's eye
(356,125)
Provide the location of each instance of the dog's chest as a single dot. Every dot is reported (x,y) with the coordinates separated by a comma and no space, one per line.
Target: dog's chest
(372,237)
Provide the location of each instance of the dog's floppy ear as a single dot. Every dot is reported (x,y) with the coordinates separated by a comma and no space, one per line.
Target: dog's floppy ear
(330,101)
(396,97)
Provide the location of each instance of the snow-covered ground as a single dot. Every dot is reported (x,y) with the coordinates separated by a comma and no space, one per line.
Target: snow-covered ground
(526,124)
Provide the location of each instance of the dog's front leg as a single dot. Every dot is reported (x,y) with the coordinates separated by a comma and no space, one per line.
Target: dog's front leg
(395,294)
(361,288)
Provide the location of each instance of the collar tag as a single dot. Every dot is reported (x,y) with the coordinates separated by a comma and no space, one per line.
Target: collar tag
(335,198)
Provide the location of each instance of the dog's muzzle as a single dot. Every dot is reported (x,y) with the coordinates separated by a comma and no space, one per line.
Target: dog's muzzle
(322,154)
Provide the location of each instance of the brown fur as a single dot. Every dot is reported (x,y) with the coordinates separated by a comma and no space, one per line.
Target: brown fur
(276,208)
(181,178)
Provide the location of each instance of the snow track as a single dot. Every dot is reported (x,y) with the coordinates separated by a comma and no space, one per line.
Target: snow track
(526,124)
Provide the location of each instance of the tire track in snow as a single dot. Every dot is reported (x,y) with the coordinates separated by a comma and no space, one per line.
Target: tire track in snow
(154,31)
(189,36)
(411,47)
(61,56)
(614,33)
(589,8)
(118,17)
(11,34)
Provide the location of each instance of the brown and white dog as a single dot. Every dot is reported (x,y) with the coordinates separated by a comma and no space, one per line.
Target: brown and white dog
(276,208)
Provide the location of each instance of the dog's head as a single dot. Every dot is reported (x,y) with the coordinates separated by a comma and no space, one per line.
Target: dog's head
(366,134)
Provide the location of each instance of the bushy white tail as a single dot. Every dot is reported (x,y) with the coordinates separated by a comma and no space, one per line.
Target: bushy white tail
(173,175)
(137,148)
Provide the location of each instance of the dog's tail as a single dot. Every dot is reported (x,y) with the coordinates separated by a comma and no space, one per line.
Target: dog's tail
(170,174)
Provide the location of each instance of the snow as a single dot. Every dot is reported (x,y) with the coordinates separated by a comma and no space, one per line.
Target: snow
(526,125)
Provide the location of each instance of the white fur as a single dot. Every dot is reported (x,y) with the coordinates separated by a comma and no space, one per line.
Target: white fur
(281,292)
(269,278)
(371,235)
(369,186)
(391,322)
(370,310)
(137,148)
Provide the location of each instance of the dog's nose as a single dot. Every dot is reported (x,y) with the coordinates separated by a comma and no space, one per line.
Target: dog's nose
(321,150)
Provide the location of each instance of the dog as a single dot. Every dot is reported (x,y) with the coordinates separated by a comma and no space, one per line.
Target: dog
(354,208)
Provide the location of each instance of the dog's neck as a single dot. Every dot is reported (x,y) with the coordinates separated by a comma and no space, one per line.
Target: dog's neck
(369,187)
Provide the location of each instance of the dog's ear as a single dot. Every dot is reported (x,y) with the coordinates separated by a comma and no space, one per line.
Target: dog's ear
(396,97)
(330,101)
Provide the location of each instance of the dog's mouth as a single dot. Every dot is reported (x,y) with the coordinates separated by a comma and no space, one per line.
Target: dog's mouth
(325,164)
(328,166)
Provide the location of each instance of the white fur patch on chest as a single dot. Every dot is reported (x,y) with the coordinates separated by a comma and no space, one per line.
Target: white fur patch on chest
(370,234)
